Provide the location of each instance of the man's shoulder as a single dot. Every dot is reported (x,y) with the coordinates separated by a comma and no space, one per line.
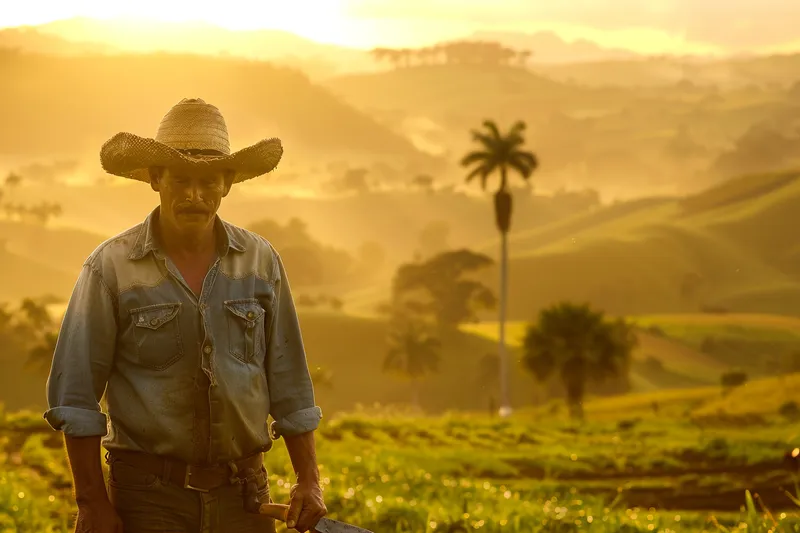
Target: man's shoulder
(115,248)
(256,257)
(250,240)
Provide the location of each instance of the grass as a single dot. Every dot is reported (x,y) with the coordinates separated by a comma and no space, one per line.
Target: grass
(737,190)
(626,469)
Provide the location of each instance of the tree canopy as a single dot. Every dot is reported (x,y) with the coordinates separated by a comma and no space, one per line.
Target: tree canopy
(578,344)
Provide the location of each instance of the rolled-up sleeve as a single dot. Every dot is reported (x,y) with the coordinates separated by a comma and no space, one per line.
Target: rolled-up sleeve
(291,392)
(83,358)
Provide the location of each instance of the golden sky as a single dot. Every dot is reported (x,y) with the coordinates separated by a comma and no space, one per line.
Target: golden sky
(647,26)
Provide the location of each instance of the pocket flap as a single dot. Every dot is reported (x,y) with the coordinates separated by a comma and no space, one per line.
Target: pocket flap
(249,310)
(154,316)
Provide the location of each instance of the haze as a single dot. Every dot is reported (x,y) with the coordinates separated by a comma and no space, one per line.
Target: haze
(650,320)
(645,26)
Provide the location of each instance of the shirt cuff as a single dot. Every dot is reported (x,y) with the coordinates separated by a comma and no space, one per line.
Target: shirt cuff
(301,421)
(77,422)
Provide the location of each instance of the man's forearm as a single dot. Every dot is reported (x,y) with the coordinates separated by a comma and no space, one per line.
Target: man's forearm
(303,453)
(87,471)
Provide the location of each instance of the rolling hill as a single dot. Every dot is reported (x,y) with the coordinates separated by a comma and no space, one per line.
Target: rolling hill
(657,256)
(352,350)
(97,96)
(728,248)
(40,260)
(760,345)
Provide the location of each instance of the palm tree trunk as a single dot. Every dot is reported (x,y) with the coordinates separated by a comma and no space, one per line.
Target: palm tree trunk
(505,401)
(415,393)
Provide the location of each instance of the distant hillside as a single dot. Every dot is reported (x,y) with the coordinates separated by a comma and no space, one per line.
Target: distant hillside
(63,249)
(548,47)
(357,376)
(454,94)
(623,138)
(669,257)
(38,261)
(26,278)
(730,248)
(96,97)
(687,350)
(725,73)
(200,38)
(33,41)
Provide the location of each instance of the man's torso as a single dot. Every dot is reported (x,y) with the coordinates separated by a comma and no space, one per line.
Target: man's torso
(189,377)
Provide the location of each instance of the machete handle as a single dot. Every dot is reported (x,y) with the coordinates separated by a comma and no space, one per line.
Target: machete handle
(277,511)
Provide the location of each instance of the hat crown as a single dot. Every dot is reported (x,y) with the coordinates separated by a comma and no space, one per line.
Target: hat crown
(192,124)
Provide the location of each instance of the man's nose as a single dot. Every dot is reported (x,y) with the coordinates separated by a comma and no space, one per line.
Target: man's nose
(195,192)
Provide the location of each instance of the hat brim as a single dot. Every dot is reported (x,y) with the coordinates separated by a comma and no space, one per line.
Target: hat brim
(129,156)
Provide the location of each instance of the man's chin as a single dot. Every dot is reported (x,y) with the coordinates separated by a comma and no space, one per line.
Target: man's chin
(193,219)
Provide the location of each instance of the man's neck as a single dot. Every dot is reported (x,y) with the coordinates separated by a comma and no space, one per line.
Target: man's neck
(184,245)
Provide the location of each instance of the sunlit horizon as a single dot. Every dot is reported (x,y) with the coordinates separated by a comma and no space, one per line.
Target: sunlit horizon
(350,24)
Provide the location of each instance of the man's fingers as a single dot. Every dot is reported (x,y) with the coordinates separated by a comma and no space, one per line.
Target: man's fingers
(293,514)
(307,520)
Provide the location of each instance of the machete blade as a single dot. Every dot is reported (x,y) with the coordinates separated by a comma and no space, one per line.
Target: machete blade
(327,525)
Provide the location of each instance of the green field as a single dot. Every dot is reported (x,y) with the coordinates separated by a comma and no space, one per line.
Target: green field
(757,344)
(686,467)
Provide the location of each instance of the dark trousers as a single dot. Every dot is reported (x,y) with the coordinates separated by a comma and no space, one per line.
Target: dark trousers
(146,504)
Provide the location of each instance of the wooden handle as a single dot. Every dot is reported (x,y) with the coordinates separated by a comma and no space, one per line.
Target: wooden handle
(277,511)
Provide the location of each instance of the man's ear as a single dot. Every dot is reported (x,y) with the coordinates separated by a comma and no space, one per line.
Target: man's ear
(229,176)
(155,177)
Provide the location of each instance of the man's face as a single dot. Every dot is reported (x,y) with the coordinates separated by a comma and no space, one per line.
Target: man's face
(190,199)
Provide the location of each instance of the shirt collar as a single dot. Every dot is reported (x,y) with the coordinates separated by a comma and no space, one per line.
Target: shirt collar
(147,242)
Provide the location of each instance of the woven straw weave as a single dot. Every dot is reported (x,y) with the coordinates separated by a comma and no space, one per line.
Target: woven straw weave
(190,126)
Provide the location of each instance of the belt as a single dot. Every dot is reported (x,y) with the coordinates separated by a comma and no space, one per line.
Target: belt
(202,478)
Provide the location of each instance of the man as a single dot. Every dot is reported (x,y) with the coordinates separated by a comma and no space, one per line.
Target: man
(187,324)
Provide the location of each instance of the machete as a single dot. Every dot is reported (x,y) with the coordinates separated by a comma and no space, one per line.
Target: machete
(325,525)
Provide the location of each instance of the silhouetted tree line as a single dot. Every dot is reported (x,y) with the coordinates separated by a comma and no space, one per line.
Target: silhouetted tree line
(29,331)
(311,263)
(462,52)
(40,213)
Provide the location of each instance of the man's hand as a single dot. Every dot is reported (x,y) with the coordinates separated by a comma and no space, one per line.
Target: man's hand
(98,517)
(306,506)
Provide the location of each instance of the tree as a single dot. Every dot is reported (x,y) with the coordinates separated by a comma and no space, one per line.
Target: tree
(732,379)
(578,344)
(423,182)
(40,356)
(413,352)
(440,289)
(500,153)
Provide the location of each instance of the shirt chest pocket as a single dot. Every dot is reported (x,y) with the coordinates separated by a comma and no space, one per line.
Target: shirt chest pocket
(157,335)
(246,335)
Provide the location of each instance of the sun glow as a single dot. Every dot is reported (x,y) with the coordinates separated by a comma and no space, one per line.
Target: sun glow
(320,20)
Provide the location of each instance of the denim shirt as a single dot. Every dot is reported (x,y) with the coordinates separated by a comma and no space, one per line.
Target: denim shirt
(134,330)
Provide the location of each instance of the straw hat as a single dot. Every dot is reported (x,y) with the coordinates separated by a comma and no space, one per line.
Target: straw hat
(191,134)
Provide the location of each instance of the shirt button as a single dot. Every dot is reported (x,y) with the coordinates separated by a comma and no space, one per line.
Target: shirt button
(203,307)
(250,315)
(207,349)
(154,322)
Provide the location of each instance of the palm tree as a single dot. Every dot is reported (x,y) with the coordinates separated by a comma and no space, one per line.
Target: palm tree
(413,353)
(578,344)
(501,153)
